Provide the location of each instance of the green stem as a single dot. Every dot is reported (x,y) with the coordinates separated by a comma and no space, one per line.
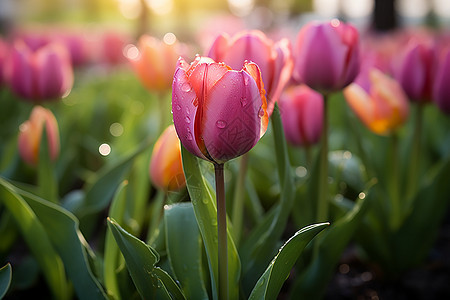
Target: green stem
(156,215)
(322,195)
(222,232)
(415,154)
(162,112)
(308,156)
(394,182)
(238,205)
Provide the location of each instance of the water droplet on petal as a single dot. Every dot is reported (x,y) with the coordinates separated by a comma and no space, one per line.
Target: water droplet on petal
(178,107)
(189,136)
(187,119)
(243,101)
(221,123)
(195,102)
(186,87)
(261,112)
(246,80)
(187,110)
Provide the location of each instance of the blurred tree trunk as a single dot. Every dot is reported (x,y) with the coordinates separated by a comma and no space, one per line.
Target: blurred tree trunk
(384,15)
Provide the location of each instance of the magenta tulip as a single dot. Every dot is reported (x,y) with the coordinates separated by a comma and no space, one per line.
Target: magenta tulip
(441,87)
(302,115)
(273,59)
(413,69)
(219,113)
(45,74)
(3,57)
(326,55)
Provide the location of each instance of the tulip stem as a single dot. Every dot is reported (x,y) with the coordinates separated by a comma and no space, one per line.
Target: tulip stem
(238,205)
(394,182)
(322,195)
(222,232)
(415,154)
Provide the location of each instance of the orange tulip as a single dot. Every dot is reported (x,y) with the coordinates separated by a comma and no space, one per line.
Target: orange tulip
(154,62)
(384,107)
(166,169)
(31,134)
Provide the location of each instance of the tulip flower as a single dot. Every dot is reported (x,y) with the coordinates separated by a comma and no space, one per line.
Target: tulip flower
(382,108)
(31,134)
(413,69)
(154,62)
(273,59)
(441,88)
(166,170)
(326,55)
(302,113)
(219,113)
(45,74)
(3,55)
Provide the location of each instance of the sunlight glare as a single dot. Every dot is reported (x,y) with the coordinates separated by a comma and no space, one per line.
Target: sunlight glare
(130,9)
(160,7)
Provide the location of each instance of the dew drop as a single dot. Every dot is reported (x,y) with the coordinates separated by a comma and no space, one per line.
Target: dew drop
(187,110)
(246,80)
(178,107)
(187,119)
(261,112)
(189,136)
(214,222)
(221,123)
(243,101)
(186,87)
(195,102)
(205,200)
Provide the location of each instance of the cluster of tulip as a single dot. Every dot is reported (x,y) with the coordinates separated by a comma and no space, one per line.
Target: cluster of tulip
(222,104)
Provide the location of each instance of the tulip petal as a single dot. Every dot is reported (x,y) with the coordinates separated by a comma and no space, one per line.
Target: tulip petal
(441,91)
(184,108)
(19,71)
(411,73)
(219,47)
(230,121)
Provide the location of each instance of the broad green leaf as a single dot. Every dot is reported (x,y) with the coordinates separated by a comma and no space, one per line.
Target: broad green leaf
(259,248)
(270,283)
(111,255)
(141,260)
(99,194)
(5,279)
(37,240)
(330,245)
(206,215)
(48,184)
(184,249)
(62,229)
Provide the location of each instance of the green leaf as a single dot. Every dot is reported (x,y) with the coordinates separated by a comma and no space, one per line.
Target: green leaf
(206,215)
(62,229)
(37,240)
(258,249)
(5,279)
(48,184)
(270,283)
(330,245)
(111,255)
(141,260)
(99,194)
(184,249)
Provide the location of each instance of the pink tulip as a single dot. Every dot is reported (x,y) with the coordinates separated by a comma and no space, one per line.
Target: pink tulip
(166,169)
(302,115)
(383,107)
(3,57)
(273,59)
(413,69)
(154,62)
(45,74)
(31,134)
(441,87)
(219,113)
(326,55)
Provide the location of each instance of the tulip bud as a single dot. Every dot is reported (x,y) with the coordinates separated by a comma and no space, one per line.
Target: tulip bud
(154,62)
(413,69)
(31,134)
(45,74)
(441,87)
(273,59)
(218,113)
(326,55)
(302,115)
(383,107)
(166,169)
